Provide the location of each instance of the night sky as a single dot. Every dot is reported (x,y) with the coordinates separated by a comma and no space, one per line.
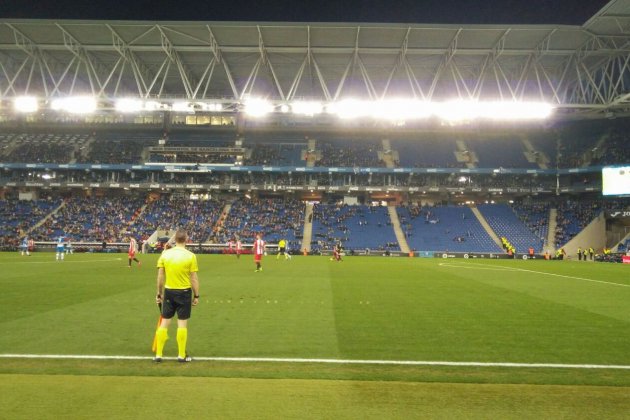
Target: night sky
(572,12)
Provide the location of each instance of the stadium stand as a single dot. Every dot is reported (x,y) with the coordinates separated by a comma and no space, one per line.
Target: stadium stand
(349,153)
(356,227)
(506,223)
(197,217)
(573,216)
(18,216)
(41,147)
(444,228)
(118,147)
(91,219)
(494,152)
(615,149)
(274,218)
(438,152)
(535,216)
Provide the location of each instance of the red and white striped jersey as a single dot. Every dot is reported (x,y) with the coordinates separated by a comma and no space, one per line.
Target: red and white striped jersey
(132,246)
(239,245)
(259,247)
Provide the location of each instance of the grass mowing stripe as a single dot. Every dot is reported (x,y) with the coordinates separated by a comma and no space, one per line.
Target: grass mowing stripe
(502,268)
(330,361)
(96,397)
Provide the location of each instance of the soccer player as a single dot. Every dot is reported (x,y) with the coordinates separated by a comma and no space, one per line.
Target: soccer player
(258,250)
(131,253)
(31,246)
(287,254)
(282,249)
(61,249)
(24,246)
(239,248)
(177,291)
(337,252)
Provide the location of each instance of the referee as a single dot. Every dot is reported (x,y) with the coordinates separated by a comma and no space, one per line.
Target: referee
(178,291)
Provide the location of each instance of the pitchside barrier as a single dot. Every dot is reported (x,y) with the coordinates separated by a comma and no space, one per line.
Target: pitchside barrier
(487,255)
(208,248)
(116,247)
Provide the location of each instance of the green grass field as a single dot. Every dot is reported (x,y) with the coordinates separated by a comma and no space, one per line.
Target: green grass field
(274,323)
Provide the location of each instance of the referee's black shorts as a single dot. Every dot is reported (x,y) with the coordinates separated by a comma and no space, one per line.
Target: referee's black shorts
(282,250)
(177,301)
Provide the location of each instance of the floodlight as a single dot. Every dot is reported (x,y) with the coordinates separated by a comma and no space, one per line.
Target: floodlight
(204,106)
(402,109)
(183,107)
(75,105)
(516,110)
(25,104)
(284,108)
(457,110)
(129,105)
(258,107)
(467,110)
(351,108)
(309,108)
(153,106)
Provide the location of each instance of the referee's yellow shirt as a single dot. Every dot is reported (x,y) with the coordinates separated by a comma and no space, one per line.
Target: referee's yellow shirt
(178,263)
(282,243)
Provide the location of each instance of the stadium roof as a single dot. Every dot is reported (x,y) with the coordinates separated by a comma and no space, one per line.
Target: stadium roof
(580,68)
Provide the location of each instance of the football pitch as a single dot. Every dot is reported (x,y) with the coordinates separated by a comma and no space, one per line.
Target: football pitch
(367,337)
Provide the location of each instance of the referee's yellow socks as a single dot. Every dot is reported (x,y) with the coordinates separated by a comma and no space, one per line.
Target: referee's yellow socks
(162,336)
(182,338)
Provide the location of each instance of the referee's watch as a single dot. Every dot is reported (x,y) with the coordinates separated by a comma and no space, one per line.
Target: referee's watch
(196,297)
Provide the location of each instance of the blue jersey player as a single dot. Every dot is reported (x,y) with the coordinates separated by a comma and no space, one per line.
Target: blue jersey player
(61,248)
(24,246)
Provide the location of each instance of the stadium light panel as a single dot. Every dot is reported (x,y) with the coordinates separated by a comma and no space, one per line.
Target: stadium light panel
(75,105)
(208,107)
(402,109)
(284,108)
(516,110)
(351,108)
(183,107)
(129,105)
(153,106)
(457,110)
(466,110)
(25,104)
(309,108)
(258,107)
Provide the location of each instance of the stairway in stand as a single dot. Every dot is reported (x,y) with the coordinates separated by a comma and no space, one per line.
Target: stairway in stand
(400,235)
(308,227)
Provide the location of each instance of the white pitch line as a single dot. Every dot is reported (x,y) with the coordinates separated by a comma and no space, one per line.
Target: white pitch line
(503,268)
(573,277)
(65,261)
(327,361)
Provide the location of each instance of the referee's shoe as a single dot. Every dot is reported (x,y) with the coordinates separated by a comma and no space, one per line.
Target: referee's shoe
(184,359)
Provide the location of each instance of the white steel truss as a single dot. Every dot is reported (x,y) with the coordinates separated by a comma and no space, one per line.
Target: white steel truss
(569,66)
